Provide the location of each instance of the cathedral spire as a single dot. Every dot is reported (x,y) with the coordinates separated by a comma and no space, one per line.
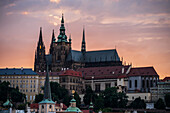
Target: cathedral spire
(47,89)
(52,41)
(40,36)
(83,46)
(62,36)
(62,20)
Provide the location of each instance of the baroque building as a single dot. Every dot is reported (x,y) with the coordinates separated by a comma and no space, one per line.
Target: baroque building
(61,56)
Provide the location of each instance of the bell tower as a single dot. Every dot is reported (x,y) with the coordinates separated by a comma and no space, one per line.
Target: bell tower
(61,49)
(47,105)
(40,60)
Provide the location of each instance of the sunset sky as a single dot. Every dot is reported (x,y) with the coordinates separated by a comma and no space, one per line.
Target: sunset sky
(139,29)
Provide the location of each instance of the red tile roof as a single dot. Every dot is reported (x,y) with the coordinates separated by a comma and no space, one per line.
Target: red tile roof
(71,72)
(34,106)
(86,111)
(143,71)
(103,72)
(165,79)
(59,105)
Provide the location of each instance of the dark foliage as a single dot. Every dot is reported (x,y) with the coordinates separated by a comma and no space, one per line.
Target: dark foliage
(167,100)
(138,103)
(160,104)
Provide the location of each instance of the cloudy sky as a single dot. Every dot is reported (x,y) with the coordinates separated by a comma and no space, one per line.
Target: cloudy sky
(139,29)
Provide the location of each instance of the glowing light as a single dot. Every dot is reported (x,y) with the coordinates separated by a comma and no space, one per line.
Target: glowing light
(25,13)
(56,1)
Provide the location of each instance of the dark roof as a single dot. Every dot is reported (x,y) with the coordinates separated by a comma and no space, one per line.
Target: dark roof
(50,73)
(94,56)
(17,71)
(49,58)
(103,72)
(75,56)
(166,79)
(102,56)
(143,71)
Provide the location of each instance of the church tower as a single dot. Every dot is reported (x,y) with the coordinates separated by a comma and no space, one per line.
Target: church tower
(40,60)
(83,45)
(83,49)
(47,105)
(61,49)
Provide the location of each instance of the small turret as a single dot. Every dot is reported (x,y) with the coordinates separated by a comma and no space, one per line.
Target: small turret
(52,41)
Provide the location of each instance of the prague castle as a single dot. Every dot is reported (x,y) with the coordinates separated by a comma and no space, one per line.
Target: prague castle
(61,56)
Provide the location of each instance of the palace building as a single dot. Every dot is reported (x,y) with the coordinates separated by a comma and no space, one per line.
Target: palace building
(61,56)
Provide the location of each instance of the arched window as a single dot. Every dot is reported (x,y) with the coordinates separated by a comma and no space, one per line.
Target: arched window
(42,106)
(130,84)
(136,83)
(143,83)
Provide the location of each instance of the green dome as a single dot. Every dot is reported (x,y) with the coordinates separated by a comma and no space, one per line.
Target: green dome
(73,109)
(72,100)
(46,101)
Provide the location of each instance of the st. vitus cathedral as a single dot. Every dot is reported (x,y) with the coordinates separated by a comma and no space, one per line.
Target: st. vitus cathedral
(61,56)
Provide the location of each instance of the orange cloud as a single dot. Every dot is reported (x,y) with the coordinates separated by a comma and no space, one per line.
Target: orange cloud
(56,1)
(25,13)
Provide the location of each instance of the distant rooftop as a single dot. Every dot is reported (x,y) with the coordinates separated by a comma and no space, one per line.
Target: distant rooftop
(17,71)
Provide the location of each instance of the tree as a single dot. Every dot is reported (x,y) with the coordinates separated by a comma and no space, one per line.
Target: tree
(39,98)
(114,99)
(99,103)
(138,103)
(6,91)
(78,99)
(89,94)
(160,104)
(167,100)
(122,100)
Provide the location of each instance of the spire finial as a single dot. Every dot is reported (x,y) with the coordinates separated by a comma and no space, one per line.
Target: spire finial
(83,46)
(62,20)
(40,36)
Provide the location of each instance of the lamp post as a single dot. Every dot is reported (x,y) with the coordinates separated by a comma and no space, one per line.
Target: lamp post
(92,83)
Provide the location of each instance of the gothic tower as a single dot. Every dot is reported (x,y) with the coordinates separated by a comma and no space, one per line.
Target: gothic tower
(83,45)
(83,48)
(40,60)
(61,49)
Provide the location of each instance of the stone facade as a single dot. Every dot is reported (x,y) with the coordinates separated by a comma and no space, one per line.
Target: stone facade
(161,90)
(26,80)
(72,80)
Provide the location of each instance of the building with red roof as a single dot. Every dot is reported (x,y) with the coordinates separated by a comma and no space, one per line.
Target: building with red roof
(126,78)
(141,79)
(72,80)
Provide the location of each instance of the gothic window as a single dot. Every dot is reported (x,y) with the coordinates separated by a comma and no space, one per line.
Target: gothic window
(151,83)
(136,83)
(130,84)
(143,83)
(147,83)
